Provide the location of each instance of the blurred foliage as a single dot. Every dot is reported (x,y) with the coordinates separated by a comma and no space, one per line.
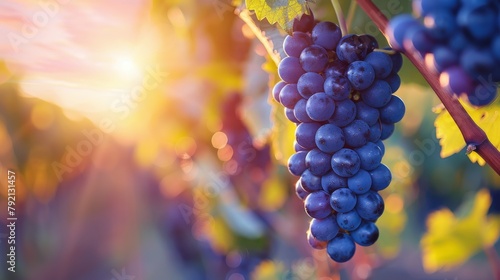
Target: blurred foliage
(451,240)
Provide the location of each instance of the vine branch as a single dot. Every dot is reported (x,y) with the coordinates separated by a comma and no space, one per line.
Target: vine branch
(473,135)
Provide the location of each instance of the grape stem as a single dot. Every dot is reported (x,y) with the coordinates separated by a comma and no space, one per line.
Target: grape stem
(351,13)
(340,17)
(474,136)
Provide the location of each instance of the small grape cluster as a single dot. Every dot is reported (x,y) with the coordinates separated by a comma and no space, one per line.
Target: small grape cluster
(339,92)
(459,39)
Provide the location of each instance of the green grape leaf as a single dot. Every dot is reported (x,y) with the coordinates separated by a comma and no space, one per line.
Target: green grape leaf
(451,240)
(282,12)
(451,139)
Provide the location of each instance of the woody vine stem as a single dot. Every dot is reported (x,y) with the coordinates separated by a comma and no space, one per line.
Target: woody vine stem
(474,136)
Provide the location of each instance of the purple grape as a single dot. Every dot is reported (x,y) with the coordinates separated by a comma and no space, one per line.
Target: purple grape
(381,63)
(310,182)
(337,87)
(299,191)
(366,113)
(419,38)
(477,62)
(304,24)
(369,41)
(351,48)
(394,82)
(325,229)
(381,177)
(314,59)
(381,145)
(393,111)
(305,134)
(290,115)
(397,60)
(441,24)
(370,206)
(341,248)
(290,70)
(479,22)
(387,130)
(318,162)
(309,84)
(370,156)
(277,89)
(396,30)
(360,183)
(483,95)
(326,34)
(361,75)
(378,94)
(345,162)
(317,205)
(300,113)
(375,132)
(331,182)
(356,134)
(329,138)
(295,44)
(344,114)
(320,107)
(495,47)
(337,68)
(298,147)
(443,57)
(457,80)
(315,243)
(349,220)
(343,200)
(297,163)
(289,95)
(366,234)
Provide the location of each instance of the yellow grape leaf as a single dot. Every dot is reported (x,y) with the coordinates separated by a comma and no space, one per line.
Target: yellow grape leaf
(391,225)
(278,11)
(283,130)
(273,194)
(450,241)
(220,235)
(451,139)
(268,270)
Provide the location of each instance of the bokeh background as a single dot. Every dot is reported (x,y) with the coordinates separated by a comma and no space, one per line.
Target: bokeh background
(146,146)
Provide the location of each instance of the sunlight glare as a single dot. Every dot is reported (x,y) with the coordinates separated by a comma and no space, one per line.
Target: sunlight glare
(127,67)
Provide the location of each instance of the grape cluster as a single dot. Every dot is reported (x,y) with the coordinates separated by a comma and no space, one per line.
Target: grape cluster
(339,92)
(460,39)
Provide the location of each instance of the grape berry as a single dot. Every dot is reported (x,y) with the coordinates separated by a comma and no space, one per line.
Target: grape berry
(339,92)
